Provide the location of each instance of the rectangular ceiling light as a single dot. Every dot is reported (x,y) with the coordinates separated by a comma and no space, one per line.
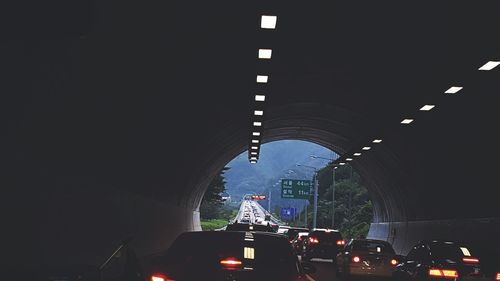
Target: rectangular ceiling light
(256,134)
(406,121)
(257,124)
(348,159)
(260,98)
(265,53)
(268,22)
(489,65)
(262,78)
(427,107)
(253,162)
(341,163)
(258,112)
(357,154)
(377,141)
(253,158)
(255,141)
(453,90)
(253,153)
(366,148)
(254,147)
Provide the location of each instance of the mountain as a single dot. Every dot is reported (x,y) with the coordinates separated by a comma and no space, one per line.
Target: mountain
(277,160)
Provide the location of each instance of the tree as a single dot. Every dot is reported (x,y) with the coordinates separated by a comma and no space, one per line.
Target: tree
(212,204)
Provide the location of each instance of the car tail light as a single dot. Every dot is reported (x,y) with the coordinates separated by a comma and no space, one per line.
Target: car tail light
(446,273)
(341,242)
(356,259)
(160,277)
(394,262)
(299,238)
(230,263)
(313,240)
(470,260)
(498,276)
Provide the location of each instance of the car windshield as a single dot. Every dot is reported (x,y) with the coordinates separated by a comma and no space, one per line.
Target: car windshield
(372,246)
(444,250)
(265,255)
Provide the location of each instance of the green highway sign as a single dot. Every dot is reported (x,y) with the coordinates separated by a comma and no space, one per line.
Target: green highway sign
(295,189)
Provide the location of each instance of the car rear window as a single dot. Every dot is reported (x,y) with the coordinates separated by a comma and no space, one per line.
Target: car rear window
(372,246)
(330,236)
(443,250)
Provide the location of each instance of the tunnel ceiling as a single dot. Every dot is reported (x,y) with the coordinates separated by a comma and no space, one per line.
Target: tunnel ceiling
(154,98)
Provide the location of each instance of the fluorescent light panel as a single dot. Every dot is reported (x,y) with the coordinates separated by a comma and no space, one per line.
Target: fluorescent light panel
(256,134)
(348,159)
(489,65)
(258,112)
(377,141)
(366,148)
(253,153)
(268,22)
(406,121)
(357,154)
(255,141)
(262,78)
(265,53)
(254,147)
(257,124)
(453,90)
(260,98)
(253,162)
(341,163)
(427,107)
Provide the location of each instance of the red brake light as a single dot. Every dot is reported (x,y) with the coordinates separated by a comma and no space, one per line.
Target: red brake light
(394,262)
(160,277)
(471,260)
(446,273)
(230,263)
(313,240)
(498,276)
(340,242)
(299,238)
(356,259)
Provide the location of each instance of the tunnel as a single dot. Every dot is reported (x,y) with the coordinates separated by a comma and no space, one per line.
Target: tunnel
(117,115)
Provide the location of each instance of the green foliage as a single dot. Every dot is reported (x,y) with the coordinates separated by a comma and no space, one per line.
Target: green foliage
(212,206)
(213,224)
(353,208)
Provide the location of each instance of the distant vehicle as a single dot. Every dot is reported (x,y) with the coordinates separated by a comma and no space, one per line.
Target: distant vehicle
(298,242)
(229,255)
(248,227)
(366,257)
(439,260)
(322,243)
(245,220)
(282,229)
(292,231)
(267,217)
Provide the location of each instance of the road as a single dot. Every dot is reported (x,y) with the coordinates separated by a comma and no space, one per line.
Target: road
(324,270)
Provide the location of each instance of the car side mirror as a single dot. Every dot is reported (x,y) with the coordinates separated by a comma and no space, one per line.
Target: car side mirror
(308,267)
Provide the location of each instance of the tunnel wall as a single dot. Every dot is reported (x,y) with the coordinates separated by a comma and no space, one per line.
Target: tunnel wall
(83,224)
(480,234)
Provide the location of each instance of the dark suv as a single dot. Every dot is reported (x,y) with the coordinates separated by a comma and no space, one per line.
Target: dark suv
(439,260)
(322,243)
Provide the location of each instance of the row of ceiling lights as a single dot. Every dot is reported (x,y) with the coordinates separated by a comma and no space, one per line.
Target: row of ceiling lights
(452,90)
(266,22)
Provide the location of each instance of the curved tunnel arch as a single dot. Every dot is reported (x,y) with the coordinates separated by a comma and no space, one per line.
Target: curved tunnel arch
(325,125)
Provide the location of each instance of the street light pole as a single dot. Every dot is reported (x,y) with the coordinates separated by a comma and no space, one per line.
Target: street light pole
(333,186)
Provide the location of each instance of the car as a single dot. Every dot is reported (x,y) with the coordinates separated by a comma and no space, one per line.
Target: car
(245,220)
(292,231)
(248,227)
(366,257)
(297,241)
(282,229)
(229,255)
(439,260)
(322,243)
